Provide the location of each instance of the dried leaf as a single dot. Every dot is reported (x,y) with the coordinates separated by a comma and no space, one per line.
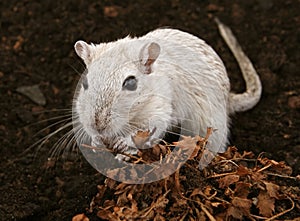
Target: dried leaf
(207,191)
(228,180)
(80,217)
(282,168)
(240,208)
(122,199)
(207,156)
(134,206)
(247,154)
(110,183)
(161,202)
(242,171)
(196,191)
(187,142)
(108,204)
(235,213)
(229,153)
(265,204)
(272,189)
(257,176)
(279,167)
(242,189)
(242,203)
(159,217)
(107,215)
(121,187)
(140,138)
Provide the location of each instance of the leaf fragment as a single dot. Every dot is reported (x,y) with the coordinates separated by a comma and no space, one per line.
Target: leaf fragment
(228,180)
(265,204)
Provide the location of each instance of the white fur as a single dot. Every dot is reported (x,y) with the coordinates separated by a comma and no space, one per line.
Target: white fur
(187,83)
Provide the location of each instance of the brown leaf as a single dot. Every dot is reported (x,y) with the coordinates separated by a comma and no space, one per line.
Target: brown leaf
(279,167)
(187,142)
(242,189)
(265,204)
(140,138)
(196,191)
(282,168)
(121,187)
(206,157)
(242,203)
(230,153)
(228,180)
(247,154)
(107,215)
(272,189)
(257,176)
(208,190)
(235,213)
(110,183)
(242,171)
(159,217)
(80,217)
(153,154)
(134,206)
(240,207)
(108,204)
(101,191)
(122,199)
(161,202)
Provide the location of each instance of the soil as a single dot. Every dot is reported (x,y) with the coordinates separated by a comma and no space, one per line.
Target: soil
(36,48)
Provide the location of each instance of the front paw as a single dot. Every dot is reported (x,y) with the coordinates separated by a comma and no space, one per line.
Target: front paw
(122,145)
(143,139)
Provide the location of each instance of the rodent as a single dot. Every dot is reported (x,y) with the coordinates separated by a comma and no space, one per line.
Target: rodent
(164,79)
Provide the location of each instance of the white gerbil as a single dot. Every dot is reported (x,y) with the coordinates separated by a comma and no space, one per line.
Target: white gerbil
(163,80)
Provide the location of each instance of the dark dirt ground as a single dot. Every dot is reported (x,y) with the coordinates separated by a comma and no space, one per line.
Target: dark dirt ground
(36,47)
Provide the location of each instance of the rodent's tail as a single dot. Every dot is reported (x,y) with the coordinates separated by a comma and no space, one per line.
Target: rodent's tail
(248,99)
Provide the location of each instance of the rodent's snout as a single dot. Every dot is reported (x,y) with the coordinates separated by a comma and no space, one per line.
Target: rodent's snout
(100,125)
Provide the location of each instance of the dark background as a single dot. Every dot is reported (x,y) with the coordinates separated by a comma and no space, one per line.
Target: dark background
(36,47)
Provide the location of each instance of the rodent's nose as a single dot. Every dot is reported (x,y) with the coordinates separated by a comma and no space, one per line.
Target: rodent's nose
(99,128)
(99,125)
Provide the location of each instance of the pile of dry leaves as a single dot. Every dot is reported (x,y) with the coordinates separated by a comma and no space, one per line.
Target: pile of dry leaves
(234,186)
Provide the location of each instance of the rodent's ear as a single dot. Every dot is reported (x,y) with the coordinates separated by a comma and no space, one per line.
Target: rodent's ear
(148,56)
(84,51)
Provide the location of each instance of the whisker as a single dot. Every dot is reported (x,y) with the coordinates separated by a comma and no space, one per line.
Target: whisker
(62,144)
(43,140)
(54,124)
(70,139)
(75,70)
(67,116)
(54,110)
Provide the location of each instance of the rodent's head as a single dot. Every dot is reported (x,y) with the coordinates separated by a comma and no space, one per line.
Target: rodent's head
(121,90)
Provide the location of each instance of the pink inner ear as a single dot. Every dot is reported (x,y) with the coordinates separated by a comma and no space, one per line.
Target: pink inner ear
(83,51)
(153,51)
(149,55)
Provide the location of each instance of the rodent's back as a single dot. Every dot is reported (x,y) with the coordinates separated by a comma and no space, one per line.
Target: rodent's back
(187,51)
(199,81)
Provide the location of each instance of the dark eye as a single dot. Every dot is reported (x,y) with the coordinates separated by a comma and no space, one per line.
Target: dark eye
(130,83)
(84,83)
